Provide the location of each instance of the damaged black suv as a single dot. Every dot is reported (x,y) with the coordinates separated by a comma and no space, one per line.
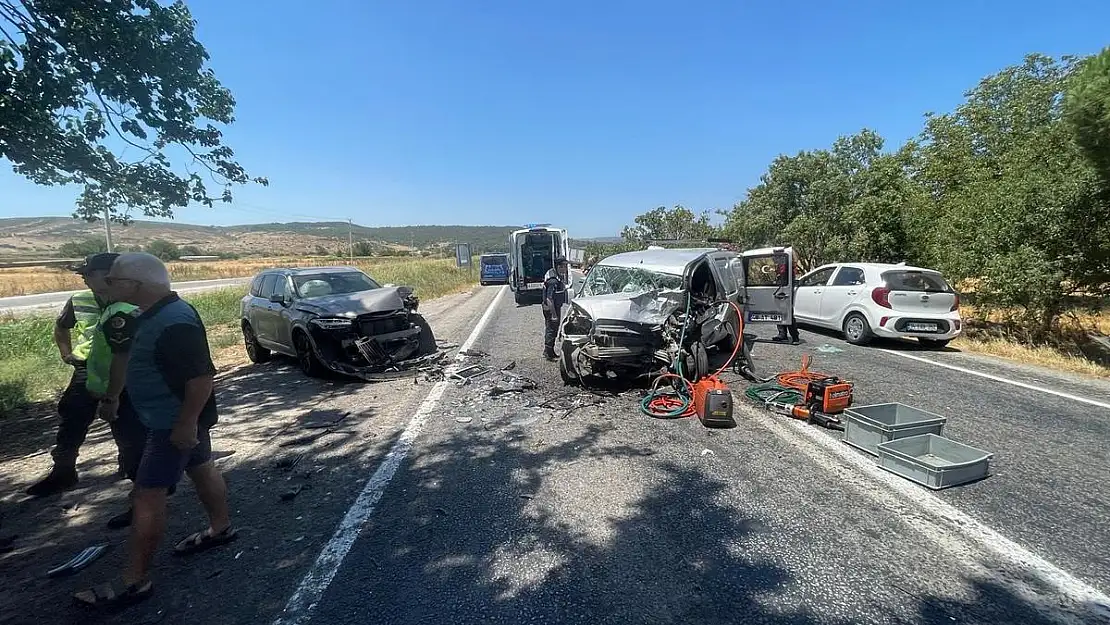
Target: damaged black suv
(337,319)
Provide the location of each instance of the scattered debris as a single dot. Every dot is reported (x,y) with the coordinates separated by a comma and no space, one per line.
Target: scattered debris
(80,561)
(238,554)
(707,452)
(464,419)
(527,496)
(445,345)
(474,353)
(513,384)
(468,373)
(510,366)
(298,539)
(829,349)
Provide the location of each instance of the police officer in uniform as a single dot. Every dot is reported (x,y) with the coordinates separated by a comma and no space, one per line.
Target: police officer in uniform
(74,334)
(556,292)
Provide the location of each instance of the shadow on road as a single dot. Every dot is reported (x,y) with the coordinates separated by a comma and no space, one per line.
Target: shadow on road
(293,459)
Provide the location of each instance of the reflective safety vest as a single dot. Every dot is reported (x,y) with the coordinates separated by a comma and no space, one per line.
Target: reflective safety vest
(99,362)
(87,311)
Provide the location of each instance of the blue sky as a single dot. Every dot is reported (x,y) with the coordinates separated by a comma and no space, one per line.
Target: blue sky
(574,112)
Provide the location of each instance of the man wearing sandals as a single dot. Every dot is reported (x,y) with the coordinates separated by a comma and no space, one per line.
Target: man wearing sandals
(170,378)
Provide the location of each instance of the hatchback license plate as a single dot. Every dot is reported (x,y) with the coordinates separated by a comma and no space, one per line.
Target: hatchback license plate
(764,317)
(921,327)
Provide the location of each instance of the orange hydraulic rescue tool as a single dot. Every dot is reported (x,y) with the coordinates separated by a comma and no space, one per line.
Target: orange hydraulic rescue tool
(823,397)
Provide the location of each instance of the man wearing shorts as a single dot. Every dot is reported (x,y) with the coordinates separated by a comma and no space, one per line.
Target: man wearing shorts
(170,381)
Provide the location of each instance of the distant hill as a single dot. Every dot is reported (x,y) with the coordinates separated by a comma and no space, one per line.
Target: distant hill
(41,237)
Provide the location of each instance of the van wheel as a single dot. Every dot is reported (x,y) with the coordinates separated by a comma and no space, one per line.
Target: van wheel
(255,352)
(856,329)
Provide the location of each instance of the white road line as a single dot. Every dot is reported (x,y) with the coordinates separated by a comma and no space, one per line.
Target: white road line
(308,593)
(996,378)
(982,551)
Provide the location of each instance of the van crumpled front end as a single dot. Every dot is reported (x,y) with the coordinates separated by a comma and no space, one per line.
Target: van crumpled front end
(621,335)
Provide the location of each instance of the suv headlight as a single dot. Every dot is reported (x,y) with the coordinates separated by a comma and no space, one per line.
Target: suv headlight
(332,323)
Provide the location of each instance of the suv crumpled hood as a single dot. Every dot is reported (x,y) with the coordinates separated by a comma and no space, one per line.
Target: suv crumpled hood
(380,300)
(649,307)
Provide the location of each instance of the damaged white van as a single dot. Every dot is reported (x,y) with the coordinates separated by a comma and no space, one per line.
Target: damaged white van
(639,314)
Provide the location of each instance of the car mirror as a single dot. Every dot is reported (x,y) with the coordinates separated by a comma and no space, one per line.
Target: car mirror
(277,298)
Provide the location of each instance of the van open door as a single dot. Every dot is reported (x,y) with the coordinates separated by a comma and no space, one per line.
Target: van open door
(767,285)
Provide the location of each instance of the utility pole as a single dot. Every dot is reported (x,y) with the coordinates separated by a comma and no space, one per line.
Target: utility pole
(350,241)
(108,227)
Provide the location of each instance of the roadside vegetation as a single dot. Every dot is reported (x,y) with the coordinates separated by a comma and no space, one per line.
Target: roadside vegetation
(1008,195)
(31,372)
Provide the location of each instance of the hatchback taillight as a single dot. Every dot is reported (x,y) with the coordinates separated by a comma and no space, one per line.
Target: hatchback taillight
(881,296)
(955,303)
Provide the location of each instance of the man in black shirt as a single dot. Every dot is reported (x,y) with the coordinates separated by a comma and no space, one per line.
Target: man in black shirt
(555,296)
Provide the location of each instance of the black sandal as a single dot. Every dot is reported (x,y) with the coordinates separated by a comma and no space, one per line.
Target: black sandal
(114,595)
(202,541)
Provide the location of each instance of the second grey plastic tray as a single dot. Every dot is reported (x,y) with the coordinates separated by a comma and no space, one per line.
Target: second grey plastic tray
(867,426)
(934,461)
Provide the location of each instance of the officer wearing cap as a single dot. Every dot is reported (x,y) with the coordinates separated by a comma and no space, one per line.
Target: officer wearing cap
(555,296)
(75,333)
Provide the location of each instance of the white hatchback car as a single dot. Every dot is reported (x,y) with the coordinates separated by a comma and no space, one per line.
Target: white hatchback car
(865,300)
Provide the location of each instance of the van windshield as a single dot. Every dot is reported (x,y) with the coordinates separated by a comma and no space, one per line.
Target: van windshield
(605,280)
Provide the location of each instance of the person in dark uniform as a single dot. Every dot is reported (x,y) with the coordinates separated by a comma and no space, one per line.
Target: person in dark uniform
(75,333)
(555,296)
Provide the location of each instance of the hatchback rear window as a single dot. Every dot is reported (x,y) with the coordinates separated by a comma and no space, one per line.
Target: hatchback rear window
(494,260)
(920,281)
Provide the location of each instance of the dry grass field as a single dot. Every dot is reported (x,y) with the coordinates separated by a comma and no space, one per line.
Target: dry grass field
(32,280)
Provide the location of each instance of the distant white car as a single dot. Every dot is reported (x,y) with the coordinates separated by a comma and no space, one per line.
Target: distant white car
(865,300)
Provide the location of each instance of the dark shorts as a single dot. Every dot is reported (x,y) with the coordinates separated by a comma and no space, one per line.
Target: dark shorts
(163,464)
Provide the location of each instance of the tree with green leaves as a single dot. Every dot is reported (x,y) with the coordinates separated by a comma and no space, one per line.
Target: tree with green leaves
(1087,110)
(102,94)
(1018,209)
(678,224)
(163,249)
(847,202)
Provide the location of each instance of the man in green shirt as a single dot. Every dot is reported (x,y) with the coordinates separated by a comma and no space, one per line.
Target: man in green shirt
(80,343)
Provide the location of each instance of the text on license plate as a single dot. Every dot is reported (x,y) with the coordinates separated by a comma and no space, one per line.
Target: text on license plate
(764,317)
(921,327)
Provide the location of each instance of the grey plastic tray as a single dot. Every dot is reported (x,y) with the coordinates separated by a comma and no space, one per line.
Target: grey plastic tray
(867,426)
(934,461)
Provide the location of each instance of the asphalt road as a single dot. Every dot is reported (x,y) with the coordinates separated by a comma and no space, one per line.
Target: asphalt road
(541,507)
(432,502)
(30,304)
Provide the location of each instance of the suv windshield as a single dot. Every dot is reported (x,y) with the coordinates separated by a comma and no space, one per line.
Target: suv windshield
(920,281)
(321,284)
(605,280)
